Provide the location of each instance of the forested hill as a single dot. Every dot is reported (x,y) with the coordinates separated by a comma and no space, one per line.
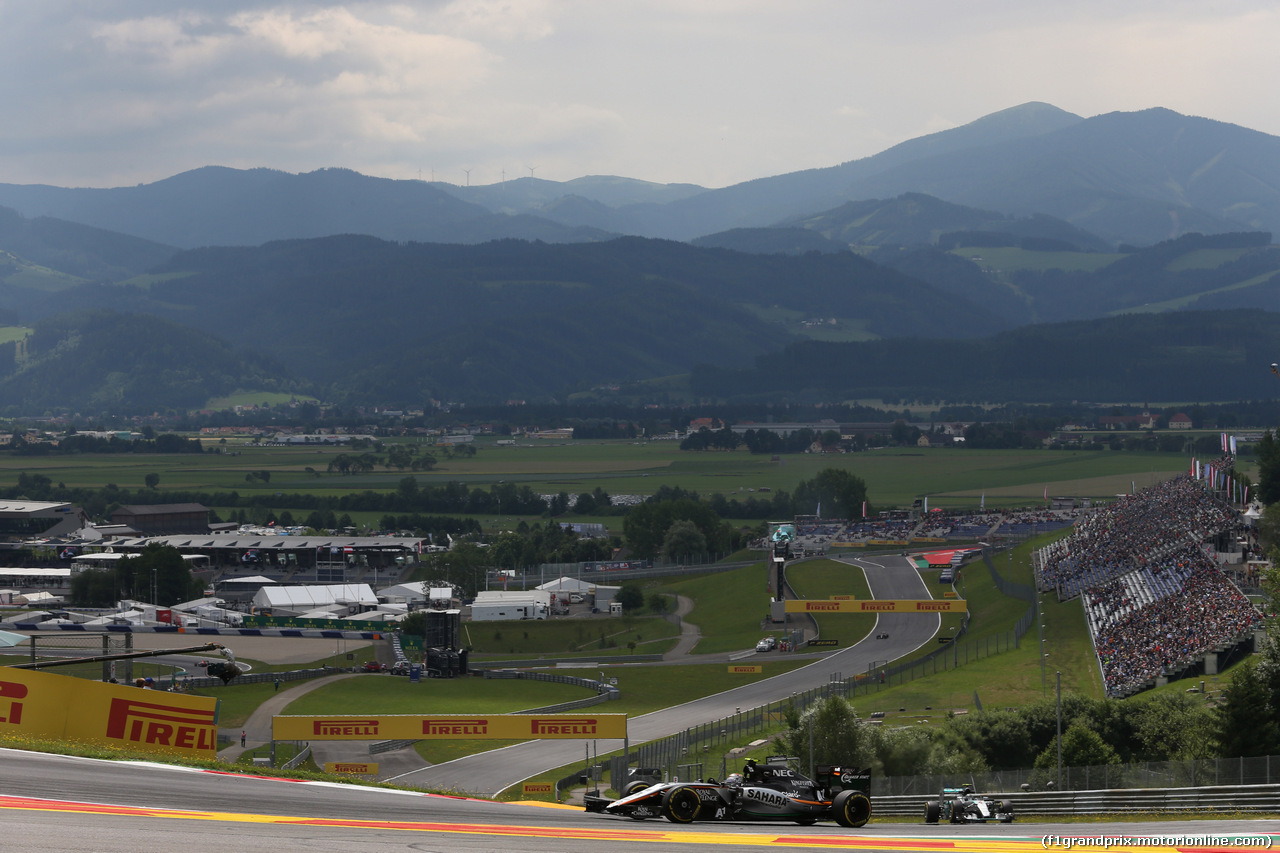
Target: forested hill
(1180,356)
(371,321)
(101,361)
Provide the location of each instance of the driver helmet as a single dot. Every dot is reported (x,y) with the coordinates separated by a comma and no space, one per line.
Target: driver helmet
(734,780)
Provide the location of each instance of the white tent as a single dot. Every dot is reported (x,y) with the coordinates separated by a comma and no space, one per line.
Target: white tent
(353,597)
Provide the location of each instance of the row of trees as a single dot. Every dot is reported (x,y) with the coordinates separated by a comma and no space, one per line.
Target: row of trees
(1160,727)
(158,574)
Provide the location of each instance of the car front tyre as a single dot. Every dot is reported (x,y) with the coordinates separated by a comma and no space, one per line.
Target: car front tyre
(681,805)
(932,810)
(634,787)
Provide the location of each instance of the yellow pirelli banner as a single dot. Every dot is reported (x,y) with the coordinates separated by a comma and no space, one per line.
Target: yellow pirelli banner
(879,606)
(355,768)
(59,707)
(746,668)
(450,727)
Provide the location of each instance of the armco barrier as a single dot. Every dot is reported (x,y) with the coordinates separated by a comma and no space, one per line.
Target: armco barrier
(476,665)
(1218,798)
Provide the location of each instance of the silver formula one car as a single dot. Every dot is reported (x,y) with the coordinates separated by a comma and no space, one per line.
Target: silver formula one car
(771,791)
(962,805)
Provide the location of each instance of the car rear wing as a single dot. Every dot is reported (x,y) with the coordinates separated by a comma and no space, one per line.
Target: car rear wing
(836,779)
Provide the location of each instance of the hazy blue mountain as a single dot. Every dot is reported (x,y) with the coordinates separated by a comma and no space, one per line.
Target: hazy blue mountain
(1128,177)
(217,206)
(914,219)
(1135,178)
(770,200)
(534,195)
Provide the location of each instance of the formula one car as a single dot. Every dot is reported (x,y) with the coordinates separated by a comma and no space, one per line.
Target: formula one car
(962,805)
(771,791)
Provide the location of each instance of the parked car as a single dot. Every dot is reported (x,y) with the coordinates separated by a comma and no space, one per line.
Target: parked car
(767,644)
(372,666)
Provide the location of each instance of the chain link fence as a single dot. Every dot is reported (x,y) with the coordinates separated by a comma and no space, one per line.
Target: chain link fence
(1257,770)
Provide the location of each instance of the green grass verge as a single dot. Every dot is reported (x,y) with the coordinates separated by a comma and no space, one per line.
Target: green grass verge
(592,635)
(820,579)
(729,607)
(389,694)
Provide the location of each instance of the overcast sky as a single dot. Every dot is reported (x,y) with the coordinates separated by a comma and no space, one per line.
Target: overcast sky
(711,92)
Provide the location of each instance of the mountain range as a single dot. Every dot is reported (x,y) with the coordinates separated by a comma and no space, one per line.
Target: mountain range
(1136,178)
(370,290)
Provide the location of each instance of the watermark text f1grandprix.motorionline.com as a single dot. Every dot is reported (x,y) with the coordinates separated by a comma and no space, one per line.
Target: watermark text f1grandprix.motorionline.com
(1109,842)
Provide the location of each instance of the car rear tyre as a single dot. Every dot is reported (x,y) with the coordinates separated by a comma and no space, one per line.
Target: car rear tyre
(681,805)
(851,808)
(931,811)
(634,787)
(806,821)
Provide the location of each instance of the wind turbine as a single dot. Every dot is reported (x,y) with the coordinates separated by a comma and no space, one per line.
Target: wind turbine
(468,171)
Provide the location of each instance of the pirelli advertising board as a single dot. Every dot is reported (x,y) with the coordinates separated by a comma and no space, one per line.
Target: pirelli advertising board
(846,605)
(39,704)
(451,727)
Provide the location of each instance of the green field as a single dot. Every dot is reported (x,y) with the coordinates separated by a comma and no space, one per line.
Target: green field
(950,477)
(13,333)
(1006,258)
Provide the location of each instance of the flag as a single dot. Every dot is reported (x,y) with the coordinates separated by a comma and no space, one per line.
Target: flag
(926,504)
(864,509)
(1233,445)
(1046,491)
(982,502)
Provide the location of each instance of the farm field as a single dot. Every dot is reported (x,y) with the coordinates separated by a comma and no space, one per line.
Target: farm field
(950,477)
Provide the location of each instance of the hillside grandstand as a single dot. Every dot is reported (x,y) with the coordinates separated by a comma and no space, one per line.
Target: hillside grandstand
(1147,571)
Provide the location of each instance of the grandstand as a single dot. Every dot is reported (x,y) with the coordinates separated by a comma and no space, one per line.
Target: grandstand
(1154,598)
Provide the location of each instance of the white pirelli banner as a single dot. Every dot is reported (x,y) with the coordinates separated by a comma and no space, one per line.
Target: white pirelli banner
(450,727)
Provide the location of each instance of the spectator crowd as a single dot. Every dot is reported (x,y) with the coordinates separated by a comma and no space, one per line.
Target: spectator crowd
(1153,594)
